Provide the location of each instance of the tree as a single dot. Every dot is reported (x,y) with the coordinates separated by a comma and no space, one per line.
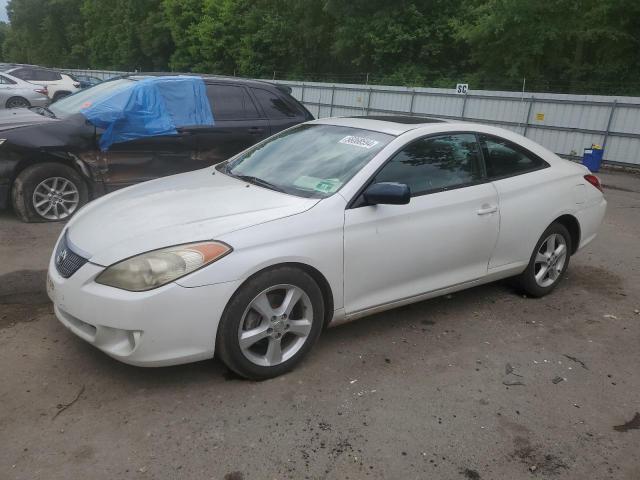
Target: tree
(563,45)
(407,41)
(127,34)
(47,32)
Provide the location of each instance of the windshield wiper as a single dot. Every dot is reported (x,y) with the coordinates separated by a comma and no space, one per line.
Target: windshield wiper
(258,181)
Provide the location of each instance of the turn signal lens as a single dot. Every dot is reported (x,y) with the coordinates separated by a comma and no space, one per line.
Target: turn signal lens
(593,180)
(156,268)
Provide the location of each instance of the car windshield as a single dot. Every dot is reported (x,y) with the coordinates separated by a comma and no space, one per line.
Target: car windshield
(85,98)
(308,160)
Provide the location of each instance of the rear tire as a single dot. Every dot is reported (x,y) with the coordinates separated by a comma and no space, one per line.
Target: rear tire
(48,192)
(270,323)
(548,263)
(17,102)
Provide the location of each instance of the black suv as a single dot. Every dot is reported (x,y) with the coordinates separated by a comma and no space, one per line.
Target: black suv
(51,163)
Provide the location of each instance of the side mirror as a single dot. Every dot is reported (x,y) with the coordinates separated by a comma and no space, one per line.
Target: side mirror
(387,193)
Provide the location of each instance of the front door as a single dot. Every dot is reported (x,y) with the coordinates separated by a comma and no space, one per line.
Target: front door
(444,237)
(143,159)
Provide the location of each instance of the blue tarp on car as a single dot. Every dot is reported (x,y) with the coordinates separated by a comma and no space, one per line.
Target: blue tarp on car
(150,107)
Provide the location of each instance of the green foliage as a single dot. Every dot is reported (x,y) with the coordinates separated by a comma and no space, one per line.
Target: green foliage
(561,45)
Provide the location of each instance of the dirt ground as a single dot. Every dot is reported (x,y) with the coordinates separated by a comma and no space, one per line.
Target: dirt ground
(484,384)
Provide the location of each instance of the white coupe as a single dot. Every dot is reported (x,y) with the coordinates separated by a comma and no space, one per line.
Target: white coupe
(323,223)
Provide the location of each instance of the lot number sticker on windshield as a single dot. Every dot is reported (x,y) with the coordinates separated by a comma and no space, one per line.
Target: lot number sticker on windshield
(362,142)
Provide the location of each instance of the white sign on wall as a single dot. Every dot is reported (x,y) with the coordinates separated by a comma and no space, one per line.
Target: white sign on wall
(462,88)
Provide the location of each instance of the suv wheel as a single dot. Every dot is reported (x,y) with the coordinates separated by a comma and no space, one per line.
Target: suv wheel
(48,192)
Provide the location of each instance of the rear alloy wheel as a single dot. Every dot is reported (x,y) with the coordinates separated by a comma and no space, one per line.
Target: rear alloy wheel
(548,263)
(17,102)
(271,323)
(48,192)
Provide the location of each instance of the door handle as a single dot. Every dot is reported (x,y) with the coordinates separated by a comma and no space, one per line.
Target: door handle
(256,130)
(487,209)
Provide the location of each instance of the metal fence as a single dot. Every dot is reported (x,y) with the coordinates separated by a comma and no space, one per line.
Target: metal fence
(565,124)
(101,74)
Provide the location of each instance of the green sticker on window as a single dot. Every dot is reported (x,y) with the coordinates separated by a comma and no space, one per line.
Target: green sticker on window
(323,185)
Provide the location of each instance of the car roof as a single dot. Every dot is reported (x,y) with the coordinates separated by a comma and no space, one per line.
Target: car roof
(204,76)
(389,124)
(5,67)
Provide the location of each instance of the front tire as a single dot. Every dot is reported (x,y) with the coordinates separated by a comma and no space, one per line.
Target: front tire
(549,261)
(270,323)
(48,192)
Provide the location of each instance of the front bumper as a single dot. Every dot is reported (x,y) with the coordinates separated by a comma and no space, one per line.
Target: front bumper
(166,326)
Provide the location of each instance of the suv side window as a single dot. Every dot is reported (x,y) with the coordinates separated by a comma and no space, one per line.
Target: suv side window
(273,105)
(46,75)
(435,164)
(231,102)
(505,159)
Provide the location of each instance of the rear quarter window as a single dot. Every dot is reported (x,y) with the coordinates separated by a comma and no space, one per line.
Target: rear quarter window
(506,159)
(275,106)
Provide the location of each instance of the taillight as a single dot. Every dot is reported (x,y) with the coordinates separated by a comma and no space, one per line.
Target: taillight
(43,91)
(593,180)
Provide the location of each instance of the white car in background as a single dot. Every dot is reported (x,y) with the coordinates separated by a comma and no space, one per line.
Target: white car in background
(325,222)
(16,93)
(58,84)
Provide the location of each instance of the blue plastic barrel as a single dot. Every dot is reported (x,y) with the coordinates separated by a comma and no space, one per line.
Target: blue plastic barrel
(592,158)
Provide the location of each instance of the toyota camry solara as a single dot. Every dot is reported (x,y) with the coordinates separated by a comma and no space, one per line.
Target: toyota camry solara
(325,222)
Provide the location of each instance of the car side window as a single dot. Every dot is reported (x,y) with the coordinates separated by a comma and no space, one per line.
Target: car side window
(435,163)
(504,159)
(273,105)
(23,73)
(231,102)
(6,81)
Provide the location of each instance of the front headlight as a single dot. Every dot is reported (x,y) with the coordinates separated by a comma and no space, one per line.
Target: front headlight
(159,267)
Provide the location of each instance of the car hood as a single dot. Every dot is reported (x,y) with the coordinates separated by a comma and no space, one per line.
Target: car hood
(184,208)
(21,117)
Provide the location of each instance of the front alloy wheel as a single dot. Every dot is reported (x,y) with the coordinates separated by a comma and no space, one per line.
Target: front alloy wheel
(275,325)
(270,323)
(56,198)
(48,192)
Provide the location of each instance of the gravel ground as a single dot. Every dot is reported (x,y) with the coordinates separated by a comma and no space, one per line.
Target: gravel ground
(484,384)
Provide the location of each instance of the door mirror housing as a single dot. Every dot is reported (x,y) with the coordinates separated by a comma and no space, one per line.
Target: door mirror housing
(387,193)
